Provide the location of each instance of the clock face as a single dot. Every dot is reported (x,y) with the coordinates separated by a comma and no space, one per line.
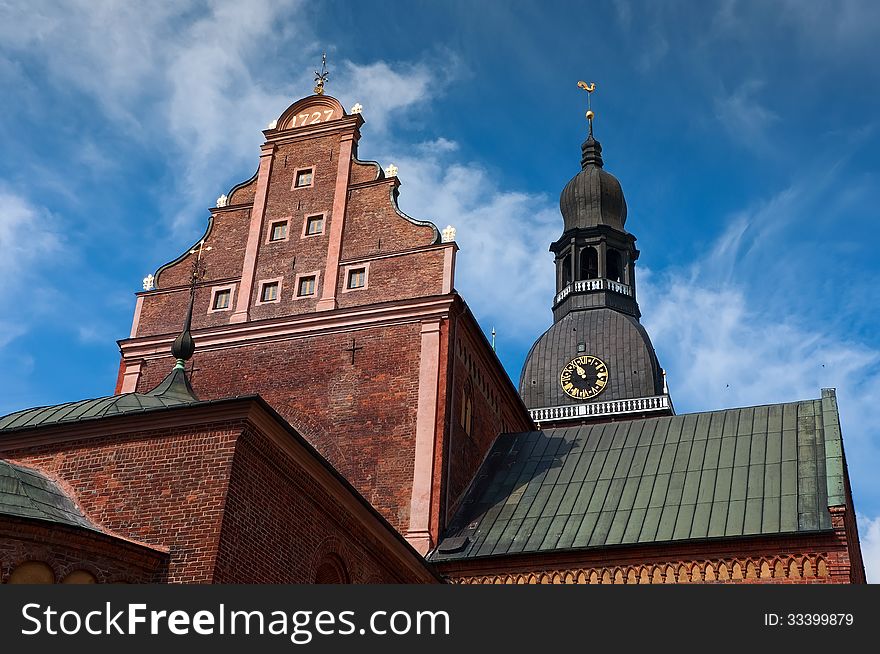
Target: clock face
(584,377)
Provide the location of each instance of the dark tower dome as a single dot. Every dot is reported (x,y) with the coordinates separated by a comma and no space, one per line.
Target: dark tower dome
(593,196)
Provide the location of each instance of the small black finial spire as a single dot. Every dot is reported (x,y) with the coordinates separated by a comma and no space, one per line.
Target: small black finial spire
(592,152)
(184,346)
(591,148)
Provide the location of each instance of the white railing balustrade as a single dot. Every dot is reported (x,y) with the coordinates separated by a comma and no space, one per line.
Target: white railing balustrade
(612,407)
(586,285)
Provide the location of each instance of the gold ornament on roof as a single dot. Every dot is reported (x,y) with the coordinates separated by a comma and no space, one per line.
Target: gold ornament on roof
(589,88)
(321,78)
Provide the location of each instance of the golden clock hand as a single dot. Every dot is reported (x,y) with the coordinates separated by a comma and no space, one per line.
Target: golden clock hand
(580,371)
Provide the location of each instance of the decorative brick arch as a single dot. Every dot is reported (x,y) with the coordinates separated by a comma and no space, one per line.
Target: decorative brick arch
(32,571)
(331,563)
(82,566)
(332,570)
(772,569)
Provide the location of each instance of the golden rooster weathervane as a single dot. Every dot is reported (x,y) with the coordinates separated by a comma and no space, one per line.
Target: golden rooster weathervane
(589,88)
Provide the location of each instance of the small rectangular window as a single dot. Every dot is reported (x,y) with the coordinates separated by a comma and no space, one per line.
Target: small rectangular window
(270,292)
(314,225)
(306,286)
(279,231)
(357,278)
(303,178)
(221,299)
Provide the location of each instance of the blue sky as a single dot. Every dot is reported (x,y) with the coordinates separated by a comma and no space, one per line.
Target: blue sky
(745,136)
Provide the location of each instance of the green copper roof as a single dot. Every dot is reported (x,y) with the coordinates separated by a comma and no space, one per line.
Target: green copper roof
(756,470)
(174,390)
(25,493)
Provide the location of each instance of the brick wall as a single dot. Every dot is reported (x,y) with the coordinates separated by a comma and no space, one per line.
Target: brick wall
(373,228)
(280,525)
(373,224)
(361,416)
(495,405)
(391,278)
(164,487)
(67,550)
(225,501)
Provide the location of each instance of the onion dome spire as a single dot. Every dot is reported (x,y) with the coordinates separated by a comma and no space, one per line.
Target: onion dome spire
(593,197)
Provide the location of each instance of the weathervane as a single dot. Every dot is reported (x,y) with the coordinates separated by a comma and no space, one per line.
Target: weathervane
(321,78)
(589,88)
(198,266)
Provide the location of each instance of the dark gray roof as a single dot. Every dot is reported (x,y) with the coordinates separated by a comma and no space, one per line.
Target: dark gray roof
(616,338)
(757,470)
(593,196)
(173,391)
(25,493)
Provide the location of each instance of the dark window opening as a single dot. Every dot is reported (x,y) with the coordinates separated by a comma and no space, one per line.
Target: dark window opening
(304,178)
(357,278)
(566,270)
(314,225)
(589,263)
(221,299)
(270,292)
(306,286)
(615,268)
(279,231)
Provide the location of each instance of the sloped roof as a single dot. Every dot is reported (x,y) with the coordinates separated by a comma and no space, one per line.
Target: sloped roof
(174,390)
(25,493)
(769,469)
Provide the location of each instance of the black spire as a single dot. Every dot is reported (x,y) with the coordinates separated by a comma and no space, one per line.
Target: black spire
(592,151)
(183,346)
(176,385)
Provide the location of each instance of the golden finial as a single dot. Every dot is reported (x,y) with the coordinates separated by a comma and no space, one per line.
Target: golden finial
(589,88)
(321,77)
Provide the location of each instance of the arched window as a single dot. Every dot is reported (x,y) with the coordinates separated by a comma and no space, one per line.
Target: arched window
(614,266)
(589,263)
(566,269)
(32,572)
(331,571)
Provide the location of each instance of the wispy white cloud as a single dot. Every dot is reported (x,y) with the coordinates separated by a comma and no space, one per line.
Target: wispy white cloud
(742,115)
(439,145)
(503,270)
(200,80)
(385,88)
(869,535)
(30,245)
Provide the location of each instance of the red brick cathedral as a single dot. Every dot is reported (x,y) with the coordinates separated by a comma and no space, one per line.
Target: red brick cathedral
(305,398)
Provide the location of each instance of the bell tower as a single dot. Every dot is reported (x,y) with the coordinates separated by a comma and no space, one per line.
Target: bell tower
(596,362)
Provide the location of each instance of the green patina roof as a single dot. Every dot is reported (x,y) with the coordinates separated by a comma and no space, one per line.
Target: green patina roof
(756,470)
(174,390)
(25,493)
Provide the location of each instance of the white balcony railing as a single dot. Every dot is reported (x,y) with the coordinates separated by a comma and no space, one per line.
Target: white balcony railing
(586,285)
(610,408)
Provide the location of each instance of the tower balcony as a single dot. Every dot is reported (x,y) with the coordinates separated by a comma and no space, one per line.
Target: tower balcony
(589,285)
(657,404)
